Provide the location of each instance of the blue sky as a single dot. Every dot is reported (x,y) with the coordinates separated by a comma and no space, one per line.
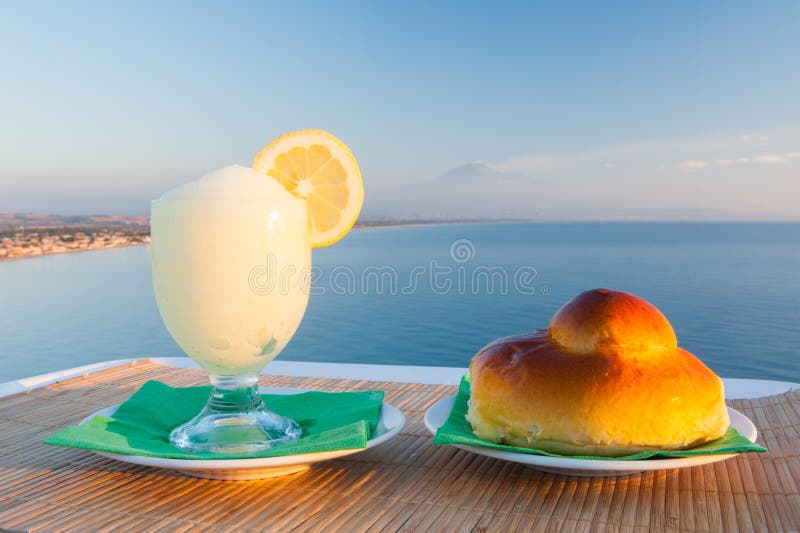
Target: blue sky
(108,104)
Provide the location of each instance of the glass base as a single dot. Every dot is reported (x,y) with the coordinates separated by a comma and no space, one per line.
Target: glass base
(235,420)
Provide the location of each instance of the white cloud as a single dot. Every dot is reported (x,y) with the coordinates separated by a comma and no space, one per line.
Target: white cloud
(692,165)
(745,176)
(692,154)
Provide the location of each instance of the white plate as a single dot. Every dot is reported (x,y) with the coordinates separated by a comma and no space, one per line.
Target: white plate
(437,414)
(390,423)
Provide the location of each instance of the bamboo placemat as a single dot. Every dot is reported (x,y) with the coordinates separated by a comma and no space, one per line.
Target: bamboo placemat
(406,483)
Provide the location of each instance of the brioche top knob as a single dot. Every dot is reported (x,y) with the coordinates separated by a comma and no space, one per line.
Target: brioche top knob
(604,321)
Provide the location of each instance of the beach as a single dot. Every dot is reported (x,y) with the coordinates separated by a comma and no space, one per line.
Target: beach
(21,245)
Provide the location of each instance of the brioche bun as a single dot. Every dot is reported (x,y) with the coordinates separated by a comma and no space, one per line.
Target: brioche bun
(606,378)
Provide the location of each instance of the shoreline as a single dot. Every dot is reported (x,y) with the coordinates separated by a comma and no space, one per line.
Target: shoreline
(414,223)
(48,241)
(68,252)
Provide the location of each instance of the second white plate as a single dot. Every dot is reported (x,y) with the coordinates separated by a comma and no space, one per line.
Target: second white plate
(437,414)
(390,423)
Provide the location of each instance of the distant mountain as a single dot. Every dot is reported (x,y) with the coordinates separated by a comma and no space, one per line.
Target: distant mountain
(474,190)
(476,172)
(478,191)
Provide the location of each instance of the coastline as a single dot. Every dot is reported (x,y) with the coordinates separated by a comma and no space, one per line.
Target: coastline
(412,223)
(38,242)
(47,240)
(66,252)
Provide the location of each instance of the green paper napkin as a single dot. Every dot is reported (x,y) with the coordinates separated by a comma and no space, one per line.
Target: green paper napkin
(456,430)
(141,425)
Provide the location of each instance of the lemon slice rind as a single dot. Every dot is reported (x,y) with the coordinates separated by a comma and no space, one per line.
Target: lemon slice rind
(317,166)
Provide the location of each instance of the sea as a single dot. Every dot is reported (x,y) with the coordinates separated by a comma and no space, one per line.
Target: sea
(434,295)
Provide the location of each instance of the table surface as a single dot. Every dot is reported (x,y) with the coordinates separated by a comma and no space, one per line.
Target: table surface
(406,483)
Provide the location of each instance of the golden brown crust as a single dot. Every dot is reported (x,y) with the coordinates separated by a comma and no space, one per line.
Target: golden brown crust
(528,390)
(603,319)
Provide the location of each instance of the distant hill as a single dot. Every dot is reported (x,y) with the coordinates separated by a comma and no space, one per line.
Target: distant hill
(479,173)
(473,191)
(28,221)
(479,191)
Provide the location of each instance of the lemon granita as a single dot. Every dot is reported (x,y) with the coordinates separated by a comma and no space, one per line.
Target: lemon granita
(213,239)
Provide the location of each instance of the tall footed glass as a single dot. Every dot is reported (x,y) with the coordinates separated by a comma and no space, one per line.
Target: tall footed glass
(231,256)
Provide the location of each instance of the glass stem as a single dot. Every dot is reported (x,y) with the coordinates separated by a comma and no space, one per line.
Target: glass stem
(235,420)
(236,394)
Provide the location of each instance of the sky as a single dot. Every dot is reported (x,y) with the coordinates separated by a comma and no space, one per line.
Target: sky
(679,108)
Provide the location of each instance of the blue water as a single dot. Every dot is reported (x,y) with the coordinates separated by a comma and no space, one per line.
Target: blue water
(731,291)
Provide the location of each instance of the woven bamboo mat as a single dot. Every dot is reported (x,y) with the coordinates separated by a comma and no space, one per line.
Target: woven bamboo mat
(404,484)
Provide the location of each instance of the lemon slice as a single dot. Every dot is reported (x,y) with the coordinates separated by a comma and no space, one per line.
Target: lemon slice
(315,165)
